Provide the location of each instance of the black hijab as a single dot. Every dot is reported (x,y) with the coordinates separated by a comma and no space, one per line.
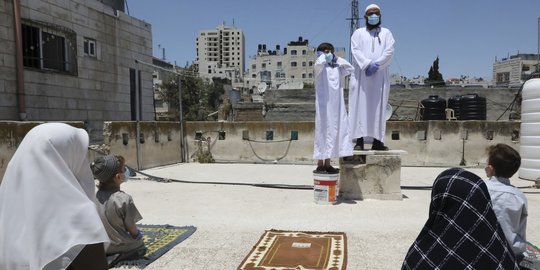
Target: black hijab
(462,231)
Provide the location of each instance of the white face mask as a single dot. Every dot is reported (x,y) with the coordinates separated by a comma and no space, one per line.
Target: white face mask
(127,174)
(329,57)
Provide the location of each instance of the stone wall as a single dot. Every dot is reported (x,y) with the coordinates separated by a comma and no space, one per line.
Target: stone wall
(100,89)
(299,104)
(428,143)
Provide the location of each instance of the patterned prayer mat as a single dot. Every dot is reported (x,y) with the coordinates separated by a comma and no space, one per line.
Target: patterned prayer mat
(281,250)
(159,239)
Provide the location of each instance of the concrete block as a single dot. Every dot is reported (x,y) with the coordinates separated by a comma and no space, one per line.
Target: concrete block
(375,176)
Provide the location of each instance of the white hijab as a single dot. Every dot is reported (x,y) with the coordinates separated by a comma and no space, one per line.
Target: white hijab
(47,210)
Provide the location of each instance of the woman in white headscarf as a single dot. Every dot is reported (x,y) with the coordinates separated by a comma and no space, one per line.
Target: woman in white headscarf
(48,218)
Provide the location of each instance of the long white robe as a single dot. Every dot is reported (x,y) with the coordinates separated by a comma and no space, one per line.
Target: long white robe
(368,95)
(47,201)
(331,121)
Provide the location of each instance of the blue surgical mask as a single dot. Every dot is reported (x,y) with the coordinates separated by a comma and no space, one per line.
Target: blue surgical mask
(373,19)
(329,57)
(127,174)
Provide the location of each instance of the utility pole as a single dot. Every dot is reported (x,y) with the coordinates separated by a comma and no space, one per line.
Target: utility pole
(354,23)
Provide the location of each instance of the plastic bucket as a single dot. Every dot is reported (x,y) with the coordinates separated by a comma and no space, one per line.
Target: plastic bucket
(325,189)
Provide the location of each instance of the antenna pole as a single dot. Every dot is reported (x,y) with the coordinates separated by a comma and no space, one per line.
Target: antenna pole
(354,22)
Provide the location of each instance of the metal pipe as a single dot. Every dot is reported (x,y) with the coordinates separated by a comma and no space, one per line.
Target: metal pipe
(21,101)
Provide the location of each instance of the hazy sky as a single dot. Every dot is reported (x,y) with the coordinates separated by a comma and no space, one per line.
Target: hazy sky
(467,35)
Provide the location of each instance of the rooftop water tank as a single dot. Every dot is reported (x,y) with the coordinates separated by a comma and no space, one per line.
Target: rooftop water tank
(434,108)
(472,107)
(530,131)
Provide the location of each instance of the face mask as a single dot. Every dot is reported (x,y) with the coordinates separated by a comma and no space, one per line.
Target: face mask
(373,19)
(329,57)
(127,174)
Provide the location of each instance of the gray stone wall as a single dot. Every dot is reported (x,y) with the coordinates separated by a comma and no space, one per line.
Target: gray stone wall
(100,91)
(299,104)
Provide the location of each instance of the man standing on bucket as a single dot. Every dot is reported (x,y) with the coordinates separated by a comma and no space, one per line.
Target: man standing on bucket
(372,49)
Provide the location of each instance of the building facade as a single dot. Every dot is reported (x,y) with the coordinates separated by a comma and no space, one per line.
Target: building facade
(220,53)
(514,70)
(75,61)
(291,67)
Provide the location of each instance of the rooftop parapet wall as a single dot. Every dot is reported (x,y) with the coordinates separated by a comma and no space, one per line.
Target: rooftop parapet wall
(428,143)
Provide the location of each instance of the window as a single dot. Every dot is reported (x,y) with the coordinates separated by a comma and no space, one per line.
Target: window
(304,52)
(293,64)
(310,63)
(303,75)
(293,52)
(253,66)
(49,47)
(303,64)
(263,65)
(89,47)
(279,64)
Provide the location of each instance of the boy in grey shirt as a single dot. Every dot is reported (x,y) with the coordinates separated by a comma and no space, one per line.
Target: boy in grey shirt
(509,203)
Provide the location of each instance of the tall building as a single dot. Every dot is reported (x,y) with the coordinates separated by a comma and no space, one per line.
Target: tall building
(220,53)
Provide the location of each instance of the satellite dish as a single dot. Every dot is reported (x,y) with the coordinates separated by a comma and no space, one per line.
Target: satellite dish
(262,87)
(388,112)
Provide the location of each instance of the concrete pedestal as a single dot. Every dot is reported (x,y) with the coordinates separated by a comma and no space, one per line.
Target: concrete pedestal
(371,175)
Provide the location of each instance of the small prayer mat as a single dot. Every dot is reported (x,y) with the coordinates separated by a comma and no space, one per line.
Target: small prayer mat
(158,239)
(281,250)
(532,257)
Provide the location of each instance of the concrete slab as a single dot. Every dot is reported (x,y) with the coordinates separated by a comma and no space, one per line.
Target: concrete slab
(230,219)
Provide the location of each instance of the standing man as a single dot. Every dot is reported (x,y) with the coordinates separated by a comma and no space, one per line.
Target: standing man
(372,50)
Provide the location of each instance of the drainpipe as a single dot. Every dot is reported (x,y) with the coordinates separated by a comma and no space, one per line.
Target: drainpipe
(19,60)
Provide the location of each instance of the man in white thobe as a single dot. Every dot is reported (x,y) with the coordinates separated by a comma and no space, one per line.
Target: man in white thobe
(372,49)
(331,121)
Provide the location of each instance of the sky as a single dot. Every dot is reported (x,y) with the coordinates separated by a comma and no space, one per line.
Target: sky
(467,35)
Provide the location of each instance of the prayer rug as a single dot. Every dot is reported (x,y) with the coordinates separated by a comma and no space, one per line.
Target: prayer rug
(158,239)
(281,250)
(532,257)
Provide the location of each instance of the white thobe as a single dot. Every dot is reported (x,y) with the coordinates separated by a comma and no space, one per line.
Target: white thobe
(368,95)
(331,121)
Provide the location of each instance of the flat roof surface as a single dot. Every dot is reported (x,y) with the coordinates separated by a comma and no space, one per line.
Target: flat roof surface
(230,218)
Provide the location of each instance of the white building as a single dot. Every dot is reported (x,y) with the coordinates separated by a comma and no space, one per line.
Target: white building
(220,53)
(514,70)
(292,67)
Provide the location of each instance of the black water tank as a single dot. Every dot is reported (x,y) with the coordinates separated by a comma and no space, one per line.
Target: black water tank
(472,107)
(454,104)
(434,108)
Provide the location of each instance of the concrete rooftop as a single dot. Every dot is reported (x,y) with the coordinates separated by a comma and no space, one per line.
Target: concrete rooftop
(230,219)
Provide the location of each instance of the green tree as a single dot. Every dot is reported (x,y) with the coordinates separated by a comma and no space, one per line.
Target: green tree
(435,78)
(200,97)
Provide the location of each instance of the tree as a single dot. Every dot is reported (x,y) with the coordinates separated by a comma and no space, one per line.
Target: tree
(200,97)
(435,78)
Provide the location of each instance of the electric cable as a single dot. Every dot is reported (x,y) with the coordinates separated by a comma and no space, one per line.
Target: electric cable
(274,186)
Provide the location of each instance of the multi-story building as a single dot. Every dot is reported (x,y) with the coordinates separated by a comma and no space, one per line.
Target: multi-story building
(74,61)
(220,53)
(514,70)
(274,68)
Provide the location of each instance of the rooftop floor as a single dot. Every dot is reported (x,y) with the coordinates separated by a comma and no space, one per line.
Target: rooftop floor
(230,218)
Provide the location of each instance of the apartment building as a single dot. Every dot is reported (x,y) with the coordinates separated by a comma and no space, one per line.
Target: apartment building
(220,53)
(514,70)
(275,68)
(75,61)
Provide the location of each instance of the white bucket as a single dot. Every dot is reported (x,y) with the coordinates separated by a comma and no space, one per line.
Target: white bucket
(325,188)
